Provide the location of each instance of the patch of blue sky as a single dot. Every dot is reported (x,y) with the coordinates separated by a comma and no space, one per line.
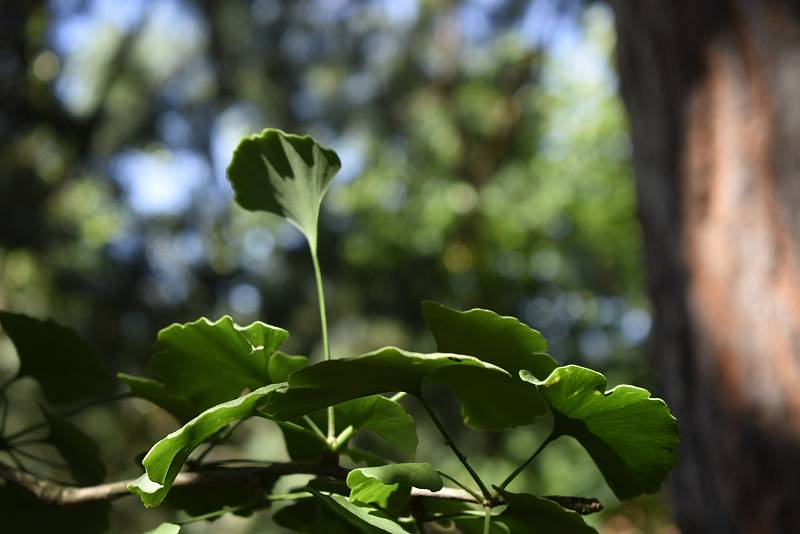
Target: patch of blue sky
(160,182)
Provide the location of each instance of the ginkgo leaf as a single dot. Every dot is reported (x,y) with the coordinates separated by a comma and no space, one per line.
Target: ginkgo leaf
(503,341)
(383,417)
(64,365)
(284,174)
(208,363)
(490,397)
(80,451)
(538,515)
(379,485)
(166,458)
(156,392)
(363,517)
(631,436)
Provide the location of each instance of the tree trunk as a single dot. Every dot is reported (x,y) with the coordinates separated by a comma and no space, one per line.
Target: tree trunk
(713,93)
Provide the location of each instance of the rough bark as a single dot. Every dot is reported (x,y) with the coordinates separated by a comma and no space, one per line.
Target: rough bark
(713,94)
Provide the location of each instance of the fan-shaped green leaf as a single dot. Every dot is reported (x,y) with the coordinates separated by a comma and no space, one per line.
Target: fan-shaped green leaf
(64,365)
(208,363)
(281,365)
(166,458)
(503,341)
(155,392)
(382,417)
(378,485)
(363,517)
(283,174)
(79,450)
(630,436)
(537,515)
(490,397)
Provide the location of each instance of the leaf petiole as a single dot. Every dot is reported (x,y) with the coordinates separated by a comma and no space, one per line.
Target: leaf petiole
(521,467)
(324,323)
(460,455)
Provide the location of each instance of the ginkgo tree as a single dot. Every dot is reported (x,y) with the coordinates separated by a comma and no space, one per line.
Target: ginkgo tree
(212,375)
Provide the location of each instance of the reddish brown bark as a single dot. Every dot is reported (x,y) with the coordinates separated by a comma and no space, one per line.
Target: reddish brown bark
(713,93)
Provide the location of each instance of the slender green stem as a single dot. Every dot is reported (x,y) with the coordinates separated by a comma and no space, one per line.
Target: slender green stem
(313,426)
(460,485)
(466,514)
(397,396)
(460,455)
(552,437)
(487,520)
(304,430)
(324,322)
(342,439)
(290,496)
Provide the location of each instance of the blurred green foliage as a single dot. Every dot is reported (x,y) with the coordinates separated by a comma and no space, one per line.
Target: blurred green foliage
(485,163)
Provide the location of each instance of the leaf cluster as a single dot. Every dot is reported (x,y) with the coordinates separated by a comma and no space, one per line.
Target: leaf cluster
(212,375)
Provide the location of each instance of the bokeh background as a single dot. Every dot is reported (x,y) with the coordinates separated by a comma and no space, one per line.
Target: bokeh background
(486,163)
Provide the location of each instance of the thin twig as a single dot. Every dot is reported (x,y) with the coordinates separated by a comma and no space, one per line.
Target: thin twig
(314,428)
(552,437)
(460,485)
(70,413)
(461,456)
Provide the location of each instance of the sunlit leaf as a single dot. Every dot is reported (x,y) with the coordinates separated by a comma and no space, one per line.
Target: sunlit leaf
(166,458)
(631,436)
(377,414)
(490,397)
(208,363)
(537,515)
(284,174)
(364,518)
(378,485)
(155,392)
(383,417)
(79,450)
(503,341)
(64,365)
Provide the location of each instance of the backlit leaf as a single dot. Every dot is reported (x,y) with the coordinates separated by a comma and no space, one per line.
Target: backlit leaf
(208,363)
(377,414)
(155,392)
(490,397)
(503,341)
(631,436)
(284,174)
(166,458)
(79,450)
(378,485)
(64,365)
(537,515)
(364,518)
